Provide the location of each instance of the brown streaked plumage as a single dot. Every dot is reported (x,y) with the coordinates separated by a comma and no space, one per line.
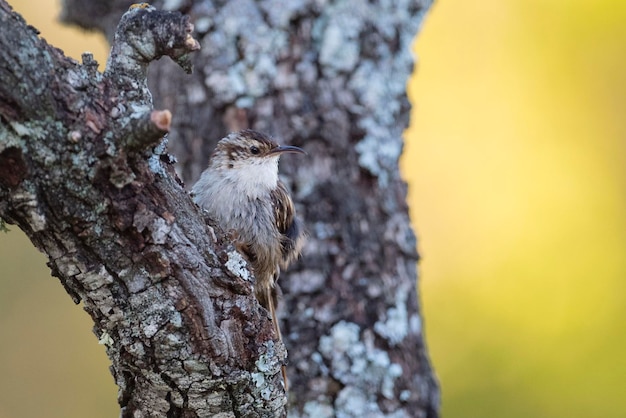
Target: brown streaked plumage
(240,189)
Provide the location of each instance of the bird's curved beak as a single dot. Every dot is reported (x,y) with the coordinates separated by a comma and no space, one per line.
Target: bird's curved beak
(286,149)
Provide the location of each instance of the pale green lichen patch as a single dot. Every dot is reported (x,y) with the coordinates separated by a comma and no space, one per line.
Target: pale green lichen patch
(105,339)
(21,129)
(267,362)
(267,368)
(394,326)
(237,265)
(354,361)
(354,402)
(249,49)
(338,32)
(318,409)
(258,379)
(154,161)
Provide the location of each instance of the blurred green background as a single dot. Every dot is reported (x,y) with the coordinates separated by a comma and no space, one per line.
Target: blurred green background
(516,165)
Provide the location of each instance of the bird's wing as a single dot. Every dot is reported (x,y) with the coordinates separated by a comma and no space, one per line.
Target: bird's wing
(289,227)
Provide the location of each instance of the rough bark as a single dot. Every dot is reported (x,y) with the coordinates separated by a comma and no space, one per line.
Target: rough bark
(84,174)
(168,294)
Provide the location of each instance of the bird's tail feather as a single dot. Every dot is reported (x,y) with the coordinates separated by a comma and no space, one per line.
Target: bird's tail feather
(272,299)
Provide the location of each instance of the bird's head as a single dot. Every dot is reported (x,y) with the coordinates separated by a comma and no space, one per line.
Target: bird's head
(250,157)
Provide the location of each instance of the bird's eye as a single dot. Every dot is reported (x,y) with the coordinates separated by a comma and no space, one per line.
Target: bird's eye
(254,149)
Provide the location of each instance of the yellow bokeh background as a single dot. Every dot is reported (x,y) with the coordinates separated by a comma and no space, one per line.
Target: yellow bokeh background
(515,161)
(516,164)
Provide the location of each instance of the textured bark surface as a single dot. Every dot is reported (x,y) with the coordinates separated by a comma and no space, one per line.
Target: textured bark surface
(84,175)
(167,293)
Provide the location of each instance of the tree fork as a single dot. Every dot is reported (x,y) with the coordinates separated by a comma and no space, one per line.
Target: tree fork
(84,174)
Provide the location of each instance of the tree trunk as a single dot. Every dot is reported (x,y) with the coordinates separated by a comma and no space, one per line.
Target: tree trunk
(84,173)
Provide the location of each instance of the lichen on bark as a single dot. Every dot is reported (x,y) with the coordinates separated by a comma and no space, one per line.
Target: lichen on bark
(169,298)
(87,177)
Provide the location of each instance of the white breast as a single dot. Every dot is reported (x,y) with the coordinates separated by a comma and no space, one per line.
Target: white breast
(235,195)
(253,178)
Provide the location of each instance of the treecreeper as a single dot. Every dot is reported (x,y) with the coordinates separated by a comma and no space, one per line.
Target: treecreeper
(241,190)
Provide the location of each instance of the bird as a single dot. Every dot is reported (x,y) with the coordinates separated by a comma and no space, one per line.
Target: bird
(241,190)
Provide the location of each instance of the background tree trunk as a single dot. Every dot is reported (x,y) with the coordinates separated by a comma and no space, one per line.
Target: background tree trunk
(330,78)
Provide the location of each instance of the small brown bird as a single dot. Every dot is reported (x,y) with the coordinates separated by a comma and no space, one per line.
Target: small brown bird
(240,189)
